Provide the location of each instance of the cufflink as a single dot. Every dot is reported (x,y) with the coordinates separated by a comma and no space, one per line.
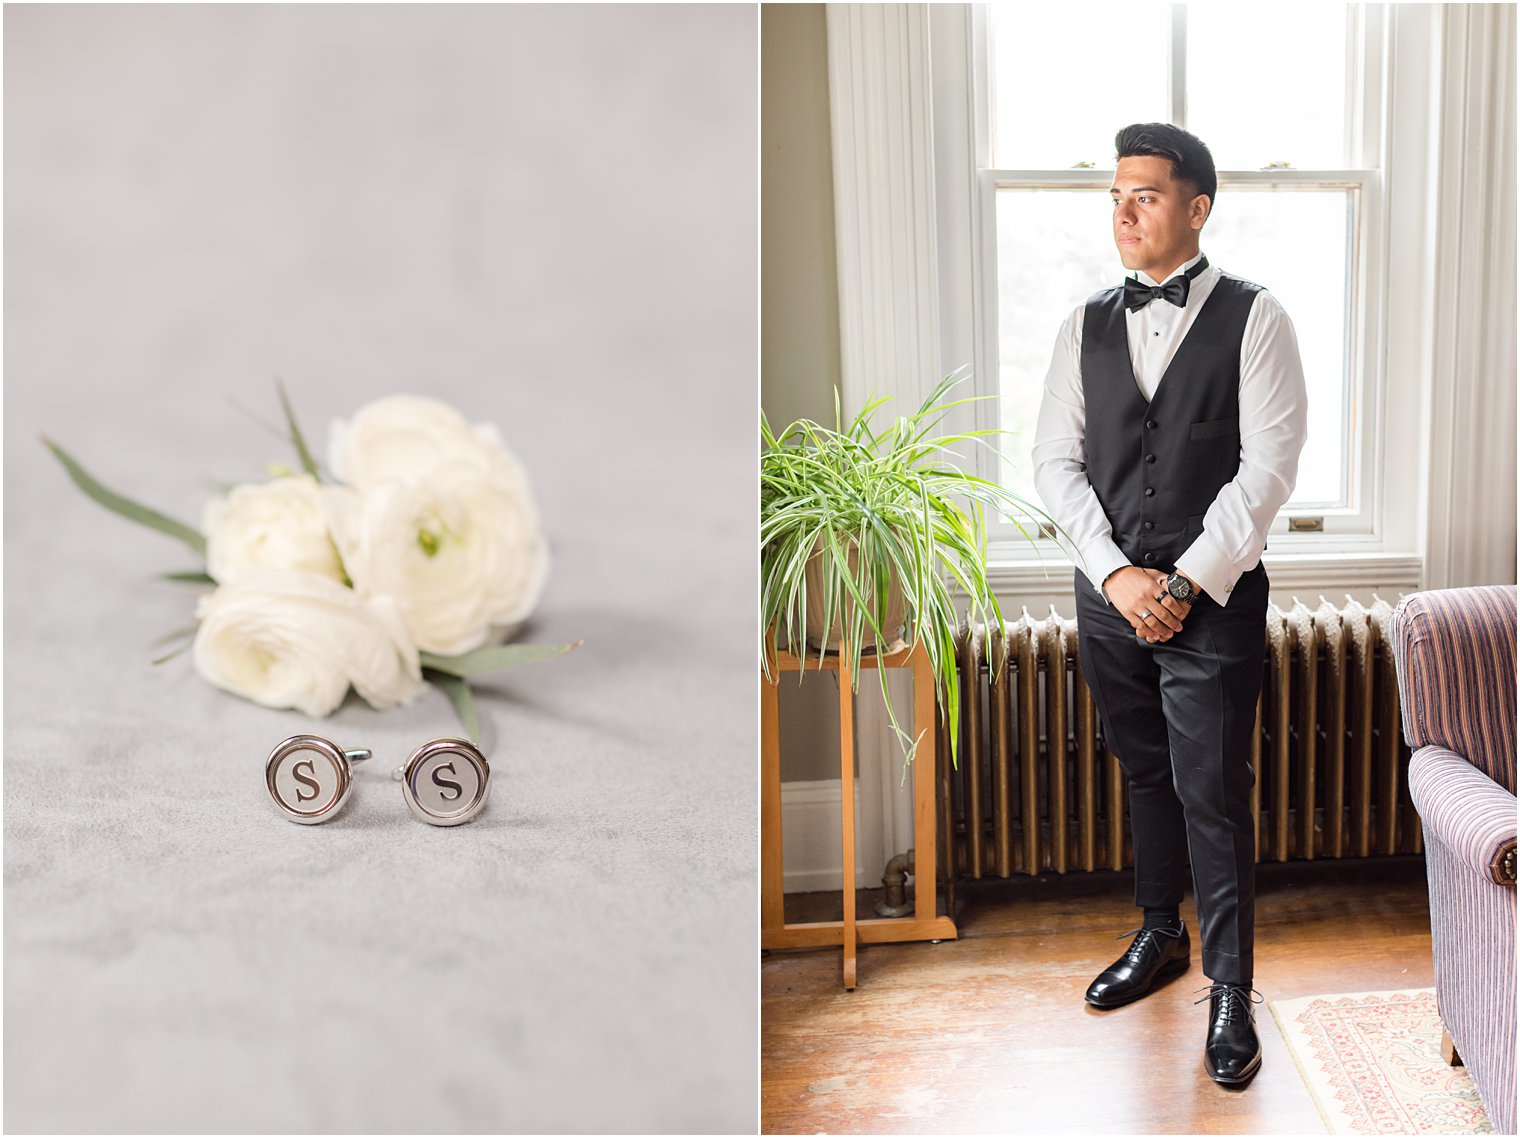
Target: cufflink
(445,782)
(309,778)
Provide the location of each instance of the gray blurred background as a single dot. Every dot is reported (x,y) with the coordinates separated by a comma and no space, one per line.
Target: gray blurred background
(546,217)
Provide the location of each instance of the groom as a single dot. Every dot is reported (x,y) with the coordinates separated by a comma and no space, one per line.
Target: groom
(1168,438)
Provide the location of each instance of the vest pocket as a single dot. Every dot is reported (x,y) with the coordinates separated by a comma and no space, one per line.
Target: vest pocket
(1215,428)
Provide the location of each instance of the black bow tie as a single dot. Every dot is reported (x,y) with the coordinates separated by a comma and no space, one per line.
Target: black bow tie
(1137,295)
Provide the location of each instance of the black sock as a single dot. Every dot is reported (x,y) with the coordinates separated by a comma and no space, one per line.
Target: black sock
(1163,918)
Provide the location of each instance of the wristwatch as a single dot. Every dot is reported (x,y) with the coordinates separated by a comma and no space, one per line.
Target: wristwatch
(1180,588)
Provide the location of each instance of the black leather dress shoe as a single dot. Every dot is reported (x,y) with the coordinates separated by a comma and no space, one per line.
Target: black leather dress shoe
(1232,1052)
(1156,954)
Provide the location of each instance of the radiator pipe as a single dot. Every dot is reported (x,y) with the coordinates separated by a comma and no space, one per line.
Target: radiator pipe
(895,879)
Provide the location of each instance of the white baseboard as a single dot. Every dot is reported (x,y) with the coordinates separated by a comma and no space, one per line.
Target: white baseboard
(811,838)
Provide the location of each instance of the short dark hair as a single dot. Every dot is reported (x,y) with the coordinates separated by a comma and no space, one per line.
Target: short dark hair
(1192,164)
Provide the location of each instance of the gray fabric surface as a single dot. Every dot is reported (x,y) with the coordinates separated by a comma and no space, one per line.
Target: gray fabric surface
(546,218)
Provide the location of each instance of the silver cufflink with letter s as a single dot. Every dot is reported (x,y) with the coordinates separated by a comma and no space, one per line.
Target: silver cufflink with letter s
(445,782)
(310,778)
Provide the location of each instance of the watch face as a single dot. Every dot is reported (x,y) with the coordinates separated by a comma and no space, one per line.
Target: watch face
(1179,588)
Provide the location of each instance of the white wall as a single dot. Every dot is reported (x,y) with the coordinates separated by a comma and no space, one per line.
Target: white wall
(799,301)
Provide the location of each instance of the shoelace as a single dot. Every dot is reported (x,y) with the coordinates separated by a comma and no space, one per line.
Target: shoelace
(1234,1001)
(1142,941)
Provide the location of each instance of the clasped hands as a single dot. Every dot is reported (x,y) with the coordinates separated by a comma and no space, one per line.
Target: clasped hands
(1133,591)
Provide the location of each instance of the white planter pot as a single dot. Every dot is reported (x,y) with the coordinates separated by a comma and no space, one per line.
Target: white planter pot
(844,610)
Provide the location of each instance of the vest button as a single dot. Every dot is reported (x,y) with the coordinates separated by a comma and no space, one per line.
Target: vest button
(1150,557)
(1150,525)
(1150,491)
(1150,424)
(1150,458)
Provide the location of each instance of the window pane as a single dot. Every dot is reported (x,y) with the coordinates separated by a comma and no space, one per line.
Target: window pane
(1055,250)
(1066,77)
(1294,243)
(1284,99)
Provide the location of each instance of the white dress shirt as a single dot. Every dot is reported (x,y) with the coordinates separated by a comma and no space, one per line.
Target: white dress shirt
(1274,423)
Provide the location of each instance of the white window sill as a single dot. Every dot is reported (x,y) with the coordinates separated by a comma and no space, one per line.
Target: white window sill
(1290,566)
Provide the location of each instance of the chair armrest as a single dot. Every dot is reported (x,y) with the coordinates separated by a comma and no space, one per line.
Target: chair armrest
(1471,814)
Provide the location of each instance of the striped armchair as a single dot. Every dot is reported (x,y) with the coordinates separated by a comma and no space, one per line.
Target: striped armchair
(1455,654)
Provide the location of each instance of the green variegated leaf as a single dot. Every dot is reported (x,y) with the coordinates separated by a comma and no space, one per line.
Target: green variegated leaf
(870,506)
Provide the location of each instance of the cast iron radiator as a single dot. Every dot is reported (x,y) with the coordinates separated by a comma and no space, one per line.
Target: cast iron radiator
(1038,791)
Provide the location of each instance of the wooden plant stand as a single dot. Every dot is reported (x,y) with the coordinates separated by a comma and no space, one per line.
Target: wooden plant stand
(925,923)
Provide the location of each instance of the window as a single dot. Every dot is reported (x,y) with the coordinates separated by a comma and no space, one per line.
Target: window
(1285,96)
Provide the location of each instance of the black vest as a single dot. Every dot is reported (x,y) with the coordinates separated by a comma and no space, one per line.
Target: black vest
(1157,466)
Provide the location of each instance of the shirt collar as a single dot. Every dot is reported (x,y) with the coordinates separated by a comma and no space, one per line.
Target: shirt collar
(1146,278)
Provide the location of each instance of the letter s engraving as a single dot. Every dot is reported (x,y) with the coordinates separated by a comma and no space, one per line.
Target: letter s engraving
(307,779)
(447,782)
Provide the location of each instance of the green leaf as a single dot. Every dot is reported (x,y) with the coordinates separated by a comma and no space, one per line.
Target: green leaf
(191,576)
(458,691)
(484,660)
(307,461)
(185,647)
(132,511)
(178,633)
(268,426)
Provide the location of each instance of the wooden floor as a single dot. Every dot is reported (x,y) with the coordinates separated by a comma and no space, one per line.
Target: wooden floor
(990,1032)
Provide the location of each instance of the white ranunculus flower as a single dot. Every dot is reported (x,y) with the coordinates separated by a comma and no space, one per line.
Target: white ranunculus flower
(410,438)
(271,525)
(289,639)
(461,556)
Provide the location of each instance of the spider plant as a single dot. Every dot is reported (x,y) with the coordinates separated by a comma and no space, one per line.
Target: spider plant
(873,510)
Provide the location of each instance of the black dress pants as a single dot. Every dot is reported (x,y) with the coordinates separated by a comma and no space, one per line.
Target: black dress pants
(1179,715)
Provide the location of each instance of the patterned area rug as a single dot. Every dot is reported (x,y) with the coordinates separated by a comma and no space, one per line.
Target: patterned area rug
(1372,1061)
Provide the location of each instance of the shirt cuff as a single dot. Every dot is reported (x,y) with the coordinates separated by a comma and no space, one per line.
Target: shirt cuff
(1214,573)
(1100,558)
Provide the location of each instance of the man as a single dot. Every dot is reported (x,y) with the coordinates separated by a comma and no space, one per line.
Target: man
(1168,439)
